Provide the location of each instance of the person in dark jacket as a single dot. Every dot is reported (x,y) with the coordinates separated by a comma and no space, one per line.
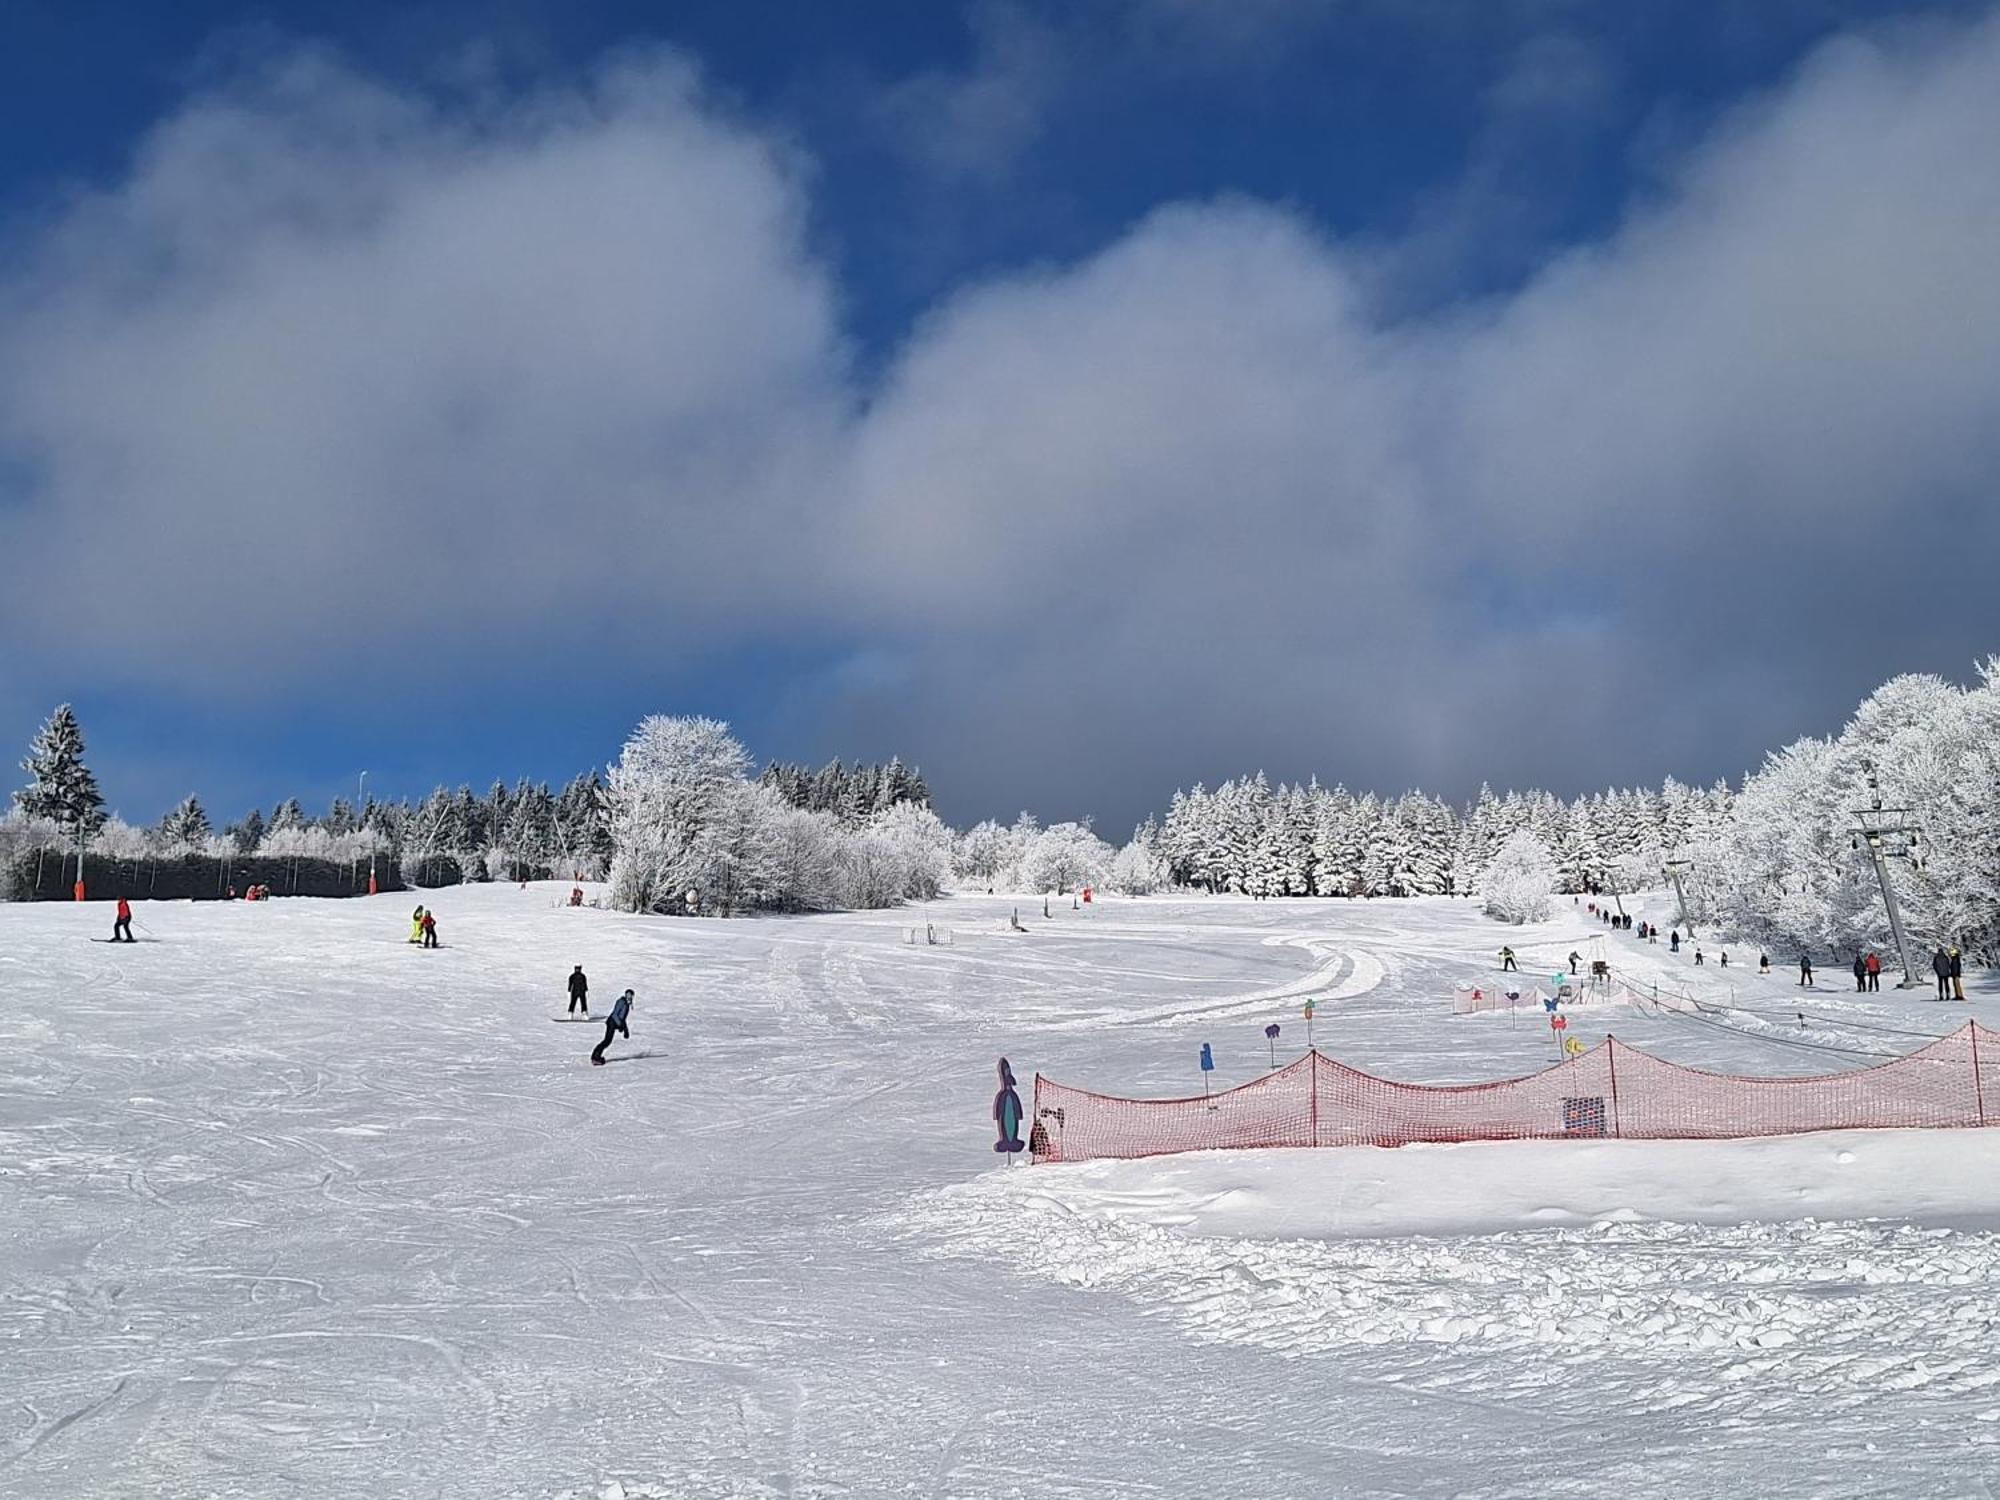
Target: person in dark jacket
(579,992)
(1674,941)
(121,930)
(1860,972)
(1805,971)
(1941,966)
(1572,960)
(614,1025)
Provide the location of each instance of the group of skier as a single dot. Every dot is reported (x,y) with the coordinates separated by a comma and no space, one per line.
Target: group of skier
(1949,967)
(615,1024)
(424,927)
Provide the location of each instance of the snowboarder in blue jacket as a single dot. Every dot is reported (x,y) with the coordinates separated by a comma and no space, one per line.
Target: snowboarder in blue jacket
(614,1025)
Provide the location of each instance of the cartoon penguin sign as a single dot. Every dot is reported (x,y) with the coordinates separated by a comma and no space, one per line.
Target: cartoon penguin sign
(1007,1113)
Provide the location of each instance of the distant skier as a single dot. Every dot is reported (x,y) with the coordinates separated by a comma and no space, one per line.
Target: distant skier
(1957,975)
(121,930)
(1763,963)
(1725,959)
(1860,972)
(614,1024)
(417,925)
(1507,964)
(579,992)
(1874,971)
(429,925)
(1698,960)
(1674,941)
(1805,971)
(1572,961)
(1941,966)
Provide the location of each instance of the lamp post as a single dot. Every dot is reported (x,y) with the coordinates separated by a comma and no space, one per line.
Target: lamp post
(360,811)
(1877,824)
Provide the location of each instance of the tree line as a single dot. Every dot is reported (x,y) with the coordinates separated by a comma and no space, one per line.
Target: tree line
(679,824)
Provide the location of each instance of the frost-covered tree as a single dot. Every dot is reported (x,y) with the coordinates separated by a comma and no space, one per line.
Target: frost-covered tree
(921,842)
(249,833)
(666,797)
(185,830)
(1137,870)
(1064,857)
(979,855)
(1520,880)
(581,832)
(433,839)
(61,789)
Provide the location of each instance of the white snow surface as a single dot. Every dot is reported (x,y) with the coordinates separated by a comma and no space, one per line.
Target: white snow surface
(291,1208)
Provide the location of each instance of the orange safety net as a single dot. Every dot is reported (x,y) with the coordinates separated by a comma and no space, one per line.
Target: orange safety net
(1611,1090)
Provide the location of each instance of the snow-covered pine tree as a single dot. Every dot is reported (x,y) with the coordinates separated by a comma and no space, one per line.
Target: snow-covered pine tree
(249,833)
(62,788)
(185,830)
(340,817)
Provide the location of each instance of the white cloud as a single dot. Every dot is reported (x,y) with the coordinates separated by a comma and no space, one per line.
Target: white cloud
(347,366)
(330,358)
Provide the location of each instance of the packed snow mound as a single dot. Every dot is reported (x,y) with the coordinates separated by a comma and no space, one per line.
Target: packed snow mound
(1710,1248)
(1925,1176)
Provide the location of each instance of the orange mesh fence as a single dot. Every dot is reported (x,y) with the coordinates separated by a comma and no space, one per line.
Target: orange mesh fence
(1611,1090)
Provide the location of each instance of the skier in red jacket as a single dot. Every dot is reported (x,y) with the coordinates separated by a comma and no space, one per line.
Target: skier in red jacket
(122,928)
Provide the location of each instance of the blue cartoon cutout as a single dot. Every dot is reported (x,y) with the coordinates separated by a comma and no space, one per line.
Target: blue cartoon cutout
(1007,1113)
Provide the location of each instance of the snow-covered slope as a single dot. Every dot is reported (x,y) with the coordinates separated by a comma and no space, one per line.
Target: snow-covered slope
(288,1207)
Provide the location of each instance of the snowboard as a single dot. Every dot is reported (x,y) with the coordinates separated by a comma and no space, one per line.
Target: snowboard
(573,1020)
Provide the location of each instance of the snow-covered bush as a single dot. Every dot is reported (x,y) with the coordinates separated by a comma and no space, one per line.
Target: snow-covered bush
(118,839)
(922,843)
(1520,880)
(316,843)
(1136,871)
(686,821)
(981,855)
(1064,857)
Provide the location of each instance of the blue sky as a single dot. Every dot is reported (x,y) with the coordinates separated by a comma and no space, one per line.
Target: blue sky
(1078,400)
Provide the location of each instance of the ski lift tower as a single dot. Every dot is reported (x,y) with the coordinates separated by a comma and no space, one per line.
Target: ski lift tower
(1888,834)
(1674,869)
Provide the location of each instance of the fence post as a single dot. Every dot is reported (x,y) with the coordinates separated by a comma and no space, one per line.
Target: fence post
(1611,1052)
(1312,1060)
(1978,1088)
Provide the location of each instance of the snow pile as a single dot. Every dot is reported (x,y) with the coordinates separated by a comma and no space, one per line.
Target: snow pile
(1731,1253)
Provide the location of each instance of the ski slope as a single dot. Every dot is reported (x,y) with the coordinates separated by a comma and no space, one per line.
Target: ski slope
(291,1208)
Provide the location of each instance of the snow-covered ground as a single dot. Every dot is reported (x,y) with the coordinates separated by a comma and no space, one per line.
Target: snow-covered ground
(288,1207)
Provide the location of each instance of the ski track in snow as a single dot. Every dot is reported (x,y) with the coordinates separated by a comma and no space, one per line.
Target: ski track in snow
(289,1207)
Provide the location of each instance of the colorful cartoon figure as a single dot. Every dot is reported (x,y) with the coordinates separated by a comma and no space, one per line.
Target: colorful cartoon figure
(1007,1113)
